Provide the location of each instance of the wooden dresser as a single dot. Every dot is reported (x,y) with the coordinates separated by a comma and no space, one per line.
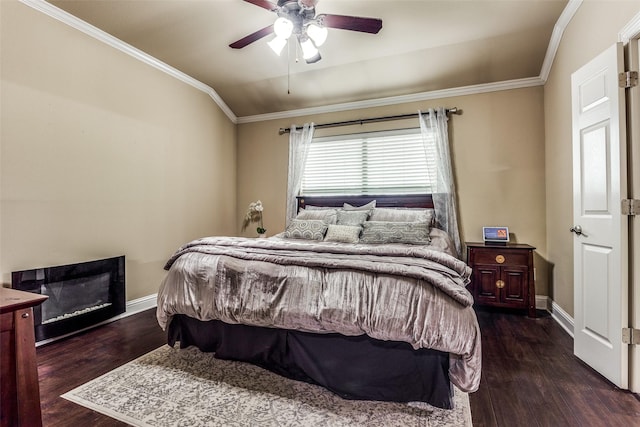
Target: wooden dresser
(503,275)
(20,391)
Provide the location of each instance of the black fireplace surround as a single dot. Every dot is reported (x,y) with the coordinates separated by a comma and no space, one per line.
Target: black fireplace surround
(80,295)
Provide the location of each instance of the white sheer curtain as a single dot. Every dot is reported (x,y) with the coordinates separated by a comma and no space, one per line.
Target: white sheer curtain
(434,132)
(299,141)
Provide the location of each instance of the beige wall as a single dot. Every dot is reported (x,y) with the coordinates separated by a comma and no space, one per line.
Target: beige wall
(102,155)
(594,28)
(497,145)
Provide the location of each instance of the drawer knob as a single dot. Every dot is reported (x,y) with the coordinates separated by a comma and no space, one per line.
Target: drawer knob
(25,315)
(500,284)
(500,259)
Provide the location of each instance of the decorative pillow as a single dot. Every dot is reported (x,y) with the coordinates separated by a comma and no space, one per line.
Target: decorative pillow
(309,229)
(327,215)
(369,206)
(352,217)
(395,232)
(403,215)
(318,208)
(343,233)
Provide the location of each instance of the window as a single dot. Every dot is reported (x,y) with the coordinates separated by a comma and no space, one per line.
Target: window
(376,163)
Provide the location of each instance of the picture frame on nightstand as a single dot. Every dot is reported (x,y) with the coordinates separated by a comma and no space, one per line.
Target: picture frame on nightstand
(495,235)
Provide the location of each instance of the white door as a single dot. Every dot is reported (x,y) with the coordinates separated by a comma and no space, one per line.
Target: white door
(601,233)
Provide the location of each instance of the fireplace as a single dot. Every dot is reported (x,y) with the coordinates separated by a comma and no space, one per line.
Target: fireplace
(80,295)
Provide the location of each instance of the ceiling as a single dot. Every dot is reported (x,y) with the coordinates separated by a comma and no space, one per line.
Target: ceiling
(424,46)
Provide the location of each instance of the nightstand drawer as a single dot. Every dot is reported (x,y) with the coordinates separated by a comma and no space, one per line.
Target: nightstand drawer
(504,257)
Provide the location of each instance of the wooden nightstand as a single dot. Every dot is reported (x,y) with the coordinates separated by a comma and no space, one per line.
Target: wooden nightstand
(502,275)
(20,397)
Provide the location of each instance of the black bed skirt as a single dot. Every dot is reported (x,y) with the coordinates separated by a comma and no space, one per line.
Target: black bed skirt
(352,367)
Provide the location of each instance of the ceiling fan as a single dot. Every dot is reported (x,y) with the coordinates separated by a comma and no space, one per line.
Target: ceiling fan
(298,17)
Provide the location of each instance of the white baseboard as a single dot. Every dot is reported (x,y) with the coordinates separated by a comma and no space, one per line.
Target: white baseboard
(562,317)
(140,304)
(542,302)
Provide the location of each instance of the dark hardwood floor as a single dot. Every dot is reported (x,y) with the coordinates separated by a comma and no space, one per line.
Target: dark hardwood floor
(66,364)
(530,376)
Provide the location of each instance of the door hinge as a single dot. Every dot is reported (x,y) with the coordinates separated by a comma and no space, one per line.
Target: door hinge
(628,79)
(630,336)
(630,207)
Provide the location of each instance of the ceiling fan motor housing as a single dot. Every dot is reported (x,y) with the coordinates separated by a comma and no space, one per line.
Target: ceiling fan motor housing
(294,11)
(302,4)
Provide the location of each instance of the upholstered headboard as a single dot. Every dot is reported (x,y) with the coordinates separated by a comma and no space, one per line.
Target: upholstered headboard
(386,201)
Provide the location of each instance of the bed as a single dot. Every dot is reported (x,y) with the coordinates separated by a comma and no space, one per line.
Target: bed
(370,318)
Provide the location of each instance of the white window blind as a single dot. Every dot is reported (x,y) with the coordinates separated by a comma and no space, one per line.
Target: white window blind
(377,163)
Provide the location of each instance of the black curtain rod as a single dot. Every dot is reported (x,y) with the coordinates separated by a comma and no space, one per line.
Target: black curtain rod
(453,110)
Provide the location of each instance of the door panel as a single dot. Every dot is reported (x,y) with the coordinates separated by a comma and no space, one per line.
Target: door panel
(596,294)
(599,184)
(595,155)
(486,277)
(514,279)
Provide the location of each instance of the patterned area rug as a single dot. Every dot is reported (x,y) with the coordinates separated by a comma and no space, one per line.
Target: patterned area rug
(171,387)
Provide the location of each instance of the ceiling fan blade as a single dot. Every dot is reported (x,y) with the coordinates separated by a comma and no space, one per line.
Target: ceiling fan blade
(263,4)
(352,23)
(252,37)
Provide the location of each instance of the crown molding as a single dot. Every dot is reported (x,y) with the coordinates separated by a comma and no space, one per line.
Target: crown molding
(631,30)
(402,99)
(98,34)
(556,36)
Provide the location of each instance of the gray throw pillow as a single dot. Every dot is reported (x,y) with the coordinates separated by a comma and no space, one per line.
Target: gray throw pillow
(308,229)
(403,215)
(352,217)
(317,208)
(395,232)
(369,206)
(327,215)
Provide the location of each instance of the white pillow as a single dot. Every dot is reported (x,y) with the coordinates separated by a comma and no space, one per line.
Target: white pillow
(343,233)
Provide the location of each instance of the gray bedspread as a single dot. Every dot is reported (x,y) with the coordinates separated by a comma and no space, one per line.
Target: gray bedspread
(408,293)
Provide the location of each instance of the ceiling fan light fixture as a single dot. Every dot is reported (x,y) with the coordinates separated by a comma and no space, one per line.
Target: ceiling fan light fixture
(313,59)
(309,50)
(317,33)
(283,28)
(311,30)
(277,44)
